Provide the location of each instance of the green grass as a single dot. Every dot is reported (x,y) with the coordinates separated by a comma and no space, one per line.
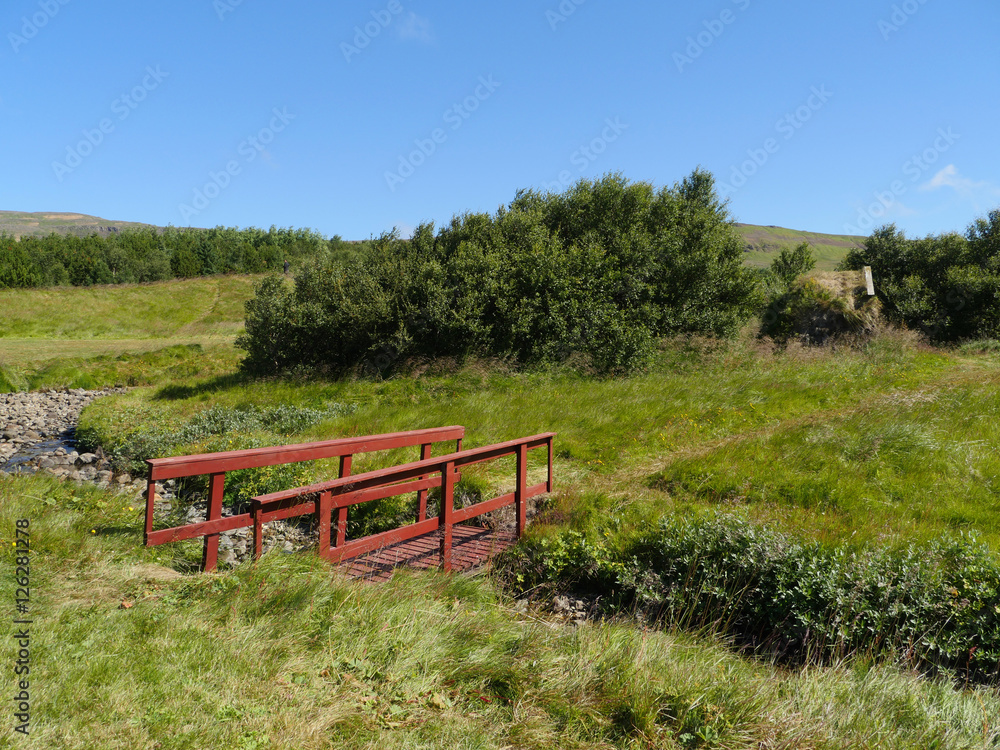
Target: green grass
(126,653)
(764,244)
(205,307)
(877,445)
(889,442)
(91,337)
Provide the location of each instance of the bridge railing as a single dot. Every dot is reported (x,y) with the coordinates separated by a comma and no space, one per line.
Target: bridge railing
(323,498)
(216,465)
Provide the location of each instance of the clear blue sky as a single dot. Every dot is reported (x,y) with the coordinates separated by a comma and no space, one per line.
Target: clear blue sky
(356,116)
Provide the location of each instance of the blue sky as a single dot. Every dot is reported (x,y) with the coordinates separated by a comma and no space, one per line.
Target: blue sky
(357,116)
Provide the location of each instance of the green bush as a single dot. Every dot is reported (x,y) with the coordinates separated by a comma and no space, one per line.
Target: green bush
(936,604)
(947,286)
(602,270)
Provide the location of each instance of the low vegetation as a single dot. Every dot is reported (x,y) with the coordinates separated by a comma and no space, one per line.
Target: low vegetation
(286,654)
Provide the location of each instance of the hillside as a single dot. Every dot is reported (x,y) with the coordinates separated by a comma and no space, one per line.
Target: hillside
(21,224)
(763,243)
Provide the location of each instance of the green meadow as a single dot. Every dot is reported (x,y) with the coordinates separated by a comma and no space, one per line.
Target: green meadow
(876,446)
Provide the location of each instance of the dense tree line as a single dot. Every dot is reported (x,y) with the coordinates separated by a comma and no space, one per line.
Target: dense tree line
(601,270)
(947,286)
(150,254)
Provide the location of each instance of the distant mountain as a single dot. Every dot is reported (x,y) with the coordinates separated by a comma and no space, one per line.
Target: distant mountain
(21,224)
(764,243)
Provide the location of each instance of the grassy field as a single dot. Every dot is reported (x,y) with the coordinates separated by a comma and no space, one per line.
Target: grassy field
(81,336)
(126,653)
(873,446)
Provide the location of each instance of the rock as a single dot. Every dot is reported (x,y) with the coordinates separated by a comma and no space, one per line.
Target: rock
(226,557)
(104,476)
(87,458)
(46,463)
(288,547)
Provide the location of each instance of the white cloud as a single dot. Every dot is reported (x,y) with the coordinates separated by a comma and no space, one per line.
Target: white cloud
(949,177)
(415,27)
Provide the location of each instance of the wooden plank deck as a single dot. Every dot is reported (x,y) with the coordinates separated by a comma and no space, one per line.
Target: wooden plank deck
(472,548)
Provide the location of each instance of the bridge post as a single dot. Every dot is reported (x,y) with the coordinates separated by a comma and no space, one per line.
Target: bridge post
(447,509)
(520,502)
(210,554)
(425,453)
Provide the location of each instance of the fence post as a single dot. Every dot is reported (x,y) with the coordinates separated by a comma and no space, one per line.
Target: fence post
(341,535)
(150,499)
(324,504)
(447,501)
(520,502)
(210,555)
(425,453)
(548,483)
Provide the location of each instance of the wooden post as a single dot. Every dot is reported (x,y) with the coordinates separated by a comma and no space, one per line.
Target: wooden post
(341,534)
(210,555)
(425,453)
(520,503)
(150,499)
(323,508)
(447,501)
(258,534)
(548,483)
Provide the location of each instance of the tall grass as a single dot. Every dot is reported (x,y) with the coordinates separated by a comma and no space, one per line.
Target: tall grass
(285,654)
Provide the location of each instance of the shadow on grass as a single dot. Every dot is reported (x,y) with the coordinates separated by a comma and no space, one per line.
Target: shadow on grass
(212,385)
(120,532)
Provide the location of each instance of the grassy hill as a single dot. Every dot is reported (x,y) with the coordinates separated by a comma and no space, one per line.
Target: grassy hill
(763,243)
(21,224)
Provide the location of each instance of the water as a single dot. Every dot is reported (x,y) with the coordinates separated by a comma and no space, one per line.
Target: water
(21,461)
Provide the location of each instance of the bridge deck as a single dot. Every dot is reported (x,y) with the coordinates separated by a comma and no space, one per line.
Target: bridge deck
(471,548)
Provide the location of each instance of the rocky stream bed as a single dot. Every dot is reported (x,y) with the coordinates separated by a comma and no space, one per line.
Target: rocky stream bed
(38,435)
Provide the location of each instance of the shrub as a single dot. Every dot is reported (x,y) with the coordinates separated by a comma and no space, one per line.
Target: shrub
(936,604)
(602,269)
(947,286)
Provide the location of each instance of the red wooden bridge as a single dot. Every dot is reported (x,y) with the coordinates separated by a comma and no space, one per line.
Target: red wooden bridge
(441,540)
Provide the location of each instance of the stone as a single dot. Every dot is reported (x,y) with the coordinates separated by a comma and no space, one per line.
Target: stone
(87,458)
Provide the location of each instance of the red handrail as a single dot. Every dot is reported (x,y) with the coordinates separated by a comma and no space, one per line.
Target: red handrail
(339,494)
(217,464)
